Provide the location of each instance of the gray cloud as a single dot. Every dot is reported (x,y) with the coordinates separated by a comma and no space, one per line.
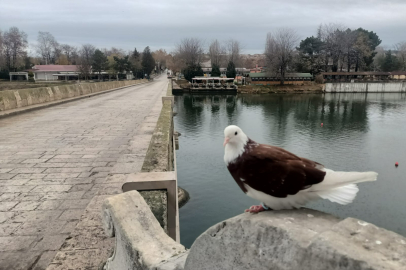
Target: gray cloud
(160,24)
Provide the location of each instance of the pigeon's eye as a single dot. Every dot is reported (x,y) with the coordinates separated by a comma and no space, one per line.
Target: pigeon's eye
(236,133)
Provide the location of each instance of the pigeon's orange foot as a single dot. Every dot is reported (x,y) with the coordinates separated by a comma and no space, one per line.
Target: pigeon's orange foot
(255,209)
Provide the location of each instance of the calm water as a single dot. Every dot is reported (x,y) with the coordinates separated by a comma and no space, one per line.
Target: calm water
(361,132)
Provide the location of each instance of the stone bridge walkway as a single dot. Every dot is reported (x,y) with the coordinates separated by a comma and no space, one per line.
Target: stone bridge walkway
(54,161)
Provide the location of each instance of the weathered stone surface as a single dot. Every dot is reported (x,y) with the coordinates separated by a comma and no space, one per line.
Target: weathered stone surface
(296,239)
(173,263)
(141,243)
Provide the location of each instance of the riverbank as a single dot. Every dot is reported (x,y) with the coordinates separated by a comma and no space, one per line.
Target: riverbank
(289,88)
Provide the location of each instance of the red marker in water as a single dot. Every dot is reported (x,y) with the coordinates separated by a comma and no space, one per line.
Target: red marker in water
(396,164)
(321,124)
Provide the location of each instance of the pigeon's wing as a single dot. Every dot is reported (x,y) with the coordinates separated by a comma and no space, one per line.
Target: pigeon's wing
(278,172)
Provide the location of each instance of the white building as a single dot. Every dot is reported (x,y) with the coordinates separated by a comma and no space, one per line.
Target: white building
(59,72)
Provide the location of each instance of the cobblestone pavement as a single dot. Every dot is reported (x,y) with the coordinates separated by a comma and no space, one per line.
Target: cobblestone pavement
(54,161)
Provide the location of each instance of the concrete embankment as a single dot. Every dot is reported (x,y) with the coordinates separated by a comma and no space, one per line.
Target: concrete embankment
(366,87)
(14,99)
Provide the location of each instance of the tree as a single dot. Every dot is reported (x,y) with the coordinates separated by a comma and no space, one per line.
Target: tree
(122,64)
(85,60)
(14,45)
(217,53)
(160,57)
(401,54)
(215,70)
(233,51)
(148,62)
(190,51)
(390,62)
(231,72)
(100,62)
(192,71)
(70,52)
(310,54)
(136,64)
(373,41)
(279,50)
(332,36)
(47,47)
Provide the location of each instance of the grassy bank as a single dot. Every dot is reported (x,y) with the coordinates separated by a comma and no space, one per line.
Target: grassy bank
(269,89)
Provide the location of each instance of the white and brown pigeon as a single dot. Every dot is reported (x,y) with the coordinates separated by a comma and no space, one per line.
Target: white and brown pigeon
(282,180)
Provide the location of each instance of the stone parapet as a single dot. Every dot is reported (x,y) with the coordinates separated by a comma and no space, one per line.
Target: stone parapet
(13,99)
(302,239)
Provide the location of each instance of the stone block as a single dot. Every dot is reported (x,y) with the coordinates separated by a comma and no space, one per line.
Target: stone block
(296,239)
(141,243)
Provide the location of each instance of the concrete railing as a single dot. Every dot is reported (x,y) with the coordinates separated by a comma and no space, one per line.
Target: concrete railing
(292,239)
(13,99)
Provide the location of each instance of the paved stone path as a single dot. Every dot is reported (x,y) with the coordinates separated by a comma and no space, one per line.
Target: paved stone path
(54,161)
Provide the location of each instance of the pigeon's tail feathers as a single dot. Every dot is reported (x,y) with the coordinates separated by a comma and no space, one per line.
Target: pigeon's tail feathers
(340,187)
(342,195)
(338,179)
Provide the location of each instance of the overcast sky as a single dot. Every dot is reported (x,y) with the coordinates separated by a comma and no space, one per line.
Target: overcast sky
(162,23)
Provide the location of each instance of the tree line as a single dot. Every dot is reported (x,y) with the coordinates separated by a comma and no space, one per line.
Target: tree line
(14,56)
(333,48)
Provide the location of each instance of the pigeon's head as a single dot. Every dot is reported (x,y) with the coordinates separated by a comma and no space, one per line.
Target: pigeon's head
(234,136)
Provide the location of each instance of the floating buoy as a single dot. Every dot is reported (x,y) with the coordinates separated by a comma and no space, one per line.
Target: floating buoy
(321,124)
(396,164)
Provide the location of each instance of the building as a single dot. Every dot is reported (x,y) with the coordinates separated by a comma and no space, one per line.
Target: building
(61,72)
(290,78)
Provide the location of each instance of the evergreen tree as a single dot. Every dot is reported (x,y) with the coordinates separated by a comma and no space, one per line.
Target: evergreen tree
(192,71)
(122,64)
(231,72)
(310,57)
(135,54)
(390,62)
(100,62)
(215,71)
(148,62)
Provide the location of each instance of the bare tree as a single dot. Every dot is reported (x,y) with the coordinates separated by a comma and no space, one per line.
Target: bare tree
(70,52)
(14,45)
(190,51)
(48,48)
(279,50)
(332,35)
(1,51)
(217,53)
(85,60)
(401,53)
(234,51)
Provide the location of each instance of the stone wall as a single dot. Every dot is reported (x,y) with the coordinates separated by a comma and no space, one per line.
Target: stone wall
(366,87)
(13,99)
(160,158)
(301,239)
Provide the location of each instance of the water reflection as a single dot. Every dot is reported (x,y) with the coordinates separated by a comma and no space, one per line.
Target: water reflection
(361,132)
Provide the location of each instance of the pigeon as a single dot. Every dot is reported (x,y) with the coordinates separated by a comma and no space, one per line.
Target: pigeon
(281,180)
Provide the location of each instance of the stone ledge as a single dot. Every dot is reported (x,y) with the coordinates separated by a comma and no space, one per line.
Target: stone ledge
(141,243)
(297,239)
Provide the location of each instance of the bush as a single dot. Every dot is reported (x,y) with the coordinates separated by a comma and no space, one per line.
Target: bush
(319,79)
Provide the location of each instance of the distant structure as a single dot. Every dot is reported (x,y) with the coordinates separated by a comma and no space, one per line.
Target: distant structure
(263,78)
(58,73)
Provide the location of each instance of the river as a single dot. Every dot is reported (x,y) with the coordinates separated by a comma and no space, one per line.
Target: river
(360,132)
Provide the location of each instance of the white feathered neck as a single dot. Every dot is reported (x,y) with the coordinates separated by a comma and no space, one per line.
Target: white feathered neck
(235,148)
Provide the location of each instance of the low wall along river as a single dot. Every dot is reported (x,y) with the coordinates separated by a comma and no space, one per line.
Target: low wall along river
(361,87)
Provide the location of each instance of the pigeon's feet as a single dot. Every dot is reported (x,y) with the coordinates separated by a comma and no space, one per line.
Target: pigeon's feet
(255,209)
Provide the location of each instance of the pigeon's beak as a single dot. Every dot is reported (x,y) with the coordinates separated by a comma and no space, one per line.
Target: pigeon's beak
(226,139)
